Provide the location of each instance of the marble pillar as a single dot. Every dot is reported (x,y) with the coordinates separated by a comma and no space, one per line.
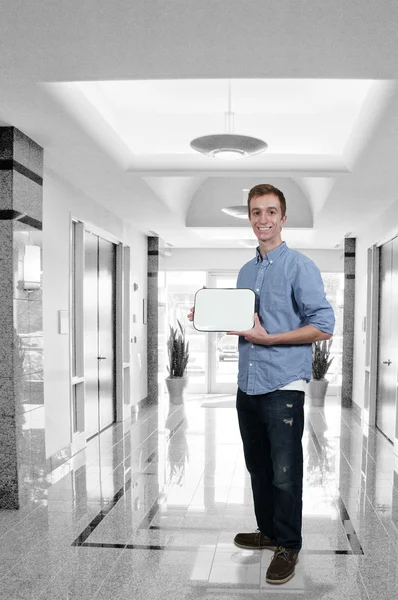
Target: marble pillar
(348,322)
(152,319)
(21,331)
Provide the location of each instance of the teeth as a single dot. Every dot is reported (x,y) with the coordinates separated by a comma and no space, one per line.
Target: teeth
(264,228)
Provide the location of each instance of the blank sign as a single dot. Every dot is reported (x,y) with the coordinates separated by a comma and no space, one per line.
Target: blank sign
(220,309)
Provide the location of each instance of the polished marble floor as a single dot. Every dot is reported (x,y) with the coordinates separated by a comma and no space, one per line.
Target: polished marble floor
(150,508)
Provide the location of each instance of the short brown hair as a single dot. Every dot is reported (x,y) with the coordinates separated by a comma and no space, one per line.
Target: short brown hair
(265,189)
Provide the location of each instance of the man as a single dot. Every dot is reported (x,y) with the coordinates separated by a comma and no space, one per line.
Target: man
(275,361)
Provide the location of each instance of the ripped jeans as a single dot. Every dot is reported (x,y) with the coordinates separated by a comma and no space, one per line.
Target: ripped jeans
(271,426)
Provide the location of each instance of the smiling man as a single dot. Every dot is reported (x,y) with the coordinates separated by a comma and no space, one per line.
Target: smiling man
(275,361)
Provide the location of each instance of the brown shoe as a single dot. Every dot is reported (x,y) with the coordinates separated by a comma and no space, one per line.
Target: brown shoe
(254,541)
(282,565)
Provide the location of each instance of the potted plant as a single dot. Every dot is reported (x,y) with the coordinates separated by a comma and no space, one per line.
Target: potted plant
(321,362)
(178,353)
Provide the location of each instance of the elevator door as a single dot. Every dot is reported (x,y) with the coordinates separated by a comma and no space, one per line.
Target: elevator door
(99,333)
(387,363)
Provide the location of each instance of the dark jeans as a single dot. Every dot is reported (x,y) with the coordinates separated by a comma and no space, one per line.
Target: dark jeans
(271,426)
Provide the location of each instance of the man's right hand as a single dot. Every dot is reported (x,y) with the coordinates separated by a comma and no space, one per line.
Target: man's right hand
(192,311)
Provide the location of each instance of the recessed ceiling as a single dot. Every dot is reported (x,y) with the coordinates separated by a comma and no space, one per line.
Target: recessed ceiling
(318,132)
(294,116)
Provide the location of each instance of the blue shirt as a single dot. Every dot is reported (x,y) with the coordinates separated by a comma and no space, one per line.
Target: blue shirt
(289,295)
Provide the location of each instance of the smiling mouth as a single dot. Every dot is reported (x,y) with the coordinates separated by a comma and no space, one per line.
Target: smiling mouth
(264,228)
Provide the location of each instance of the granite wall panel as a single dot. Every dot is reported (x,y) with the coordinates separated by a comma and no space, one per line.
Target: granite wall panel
(21,337)
(6,392)
(348,322)
(6,143)
(27,152)
(27,196)
(152,319)
(6,190)
(7,337)
(9,488)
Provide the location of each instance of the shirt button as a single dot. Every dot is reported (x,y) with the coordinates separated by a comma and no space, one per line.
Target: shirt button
(270,262)
(250,364)
(257,289)
(252,346)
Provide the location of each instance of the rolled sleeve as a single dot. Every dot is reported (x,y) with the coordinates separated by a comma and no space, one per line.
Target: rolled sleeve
(310,297)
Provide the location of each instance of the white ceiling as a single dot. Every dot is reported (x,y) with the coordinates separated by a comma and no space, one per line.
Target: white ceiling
(294,116)
(115,95)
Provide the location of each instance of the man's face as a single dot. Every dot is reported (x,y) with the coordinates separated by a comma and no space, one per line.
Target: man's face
(266,217)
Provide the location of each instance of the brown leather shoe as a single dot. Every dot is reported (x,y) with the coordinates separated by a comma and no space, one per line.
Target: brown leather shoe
(254,541)
(282,565)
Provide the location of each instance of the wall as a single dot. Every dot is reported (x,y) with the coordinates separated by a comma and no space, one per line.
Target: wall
(379,231)
(60,203)
(232,259)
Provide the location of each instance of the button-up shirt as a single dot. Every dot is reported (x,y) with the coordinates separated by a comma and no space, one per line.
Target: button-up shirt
(289,295)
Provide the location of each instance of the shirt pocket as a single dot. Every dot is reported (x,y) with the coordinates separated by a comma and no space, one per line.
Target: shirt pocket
(278,295)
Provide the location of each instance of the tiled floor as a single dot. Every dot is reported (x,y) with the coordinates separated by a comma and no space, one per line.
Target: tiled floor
(150,510)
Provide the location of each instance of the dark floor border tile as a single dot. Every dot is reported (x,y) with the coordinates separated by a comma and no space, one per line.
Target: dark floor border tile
(139,547)
(378,430)
(328,552)
(81,539)
(184,529)
(194,548)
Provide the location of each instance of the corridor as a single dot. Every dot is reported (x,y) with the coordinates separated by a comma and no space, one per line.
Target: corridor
(150,508)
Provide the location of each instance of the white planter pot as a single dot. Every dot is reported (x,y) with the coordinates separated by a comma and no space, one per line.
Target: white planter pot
(317,389)
(175,387)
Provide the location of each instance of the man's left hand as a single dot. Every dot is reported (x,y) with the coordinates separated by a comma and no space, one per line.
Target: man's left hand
(256,335)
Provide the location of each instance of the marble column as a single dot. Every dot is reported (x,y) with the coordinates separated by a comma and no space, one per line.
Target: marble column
(152,319)
(21,335)
(348,321)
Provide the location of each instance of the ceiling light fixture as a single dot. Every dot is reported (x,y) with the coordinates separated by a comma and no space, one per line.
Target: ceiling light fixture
(240,210)
(229,145)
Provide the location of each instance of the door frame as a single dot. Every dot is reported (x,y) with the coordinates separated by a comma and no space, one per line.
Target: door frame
(76,314)
(371,327)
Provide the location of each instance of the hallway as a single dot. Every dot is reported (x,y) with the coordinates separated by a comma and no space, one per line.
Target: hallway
(150,508)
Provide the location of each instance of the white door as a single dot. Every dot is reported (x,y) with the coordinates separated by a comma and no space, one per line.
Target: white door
(99,333)
(223,349)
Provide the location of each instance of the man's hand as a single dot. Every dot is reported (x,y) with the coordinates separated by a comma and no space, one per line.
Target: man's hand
(257,335)
(191,313)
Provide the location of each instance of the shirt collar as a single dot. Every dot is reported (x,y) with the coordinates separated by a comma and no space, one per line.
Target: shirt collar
(272,254)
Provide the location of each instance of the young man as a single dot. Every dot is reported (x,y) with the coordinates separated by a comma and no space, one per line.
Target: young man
(275,360)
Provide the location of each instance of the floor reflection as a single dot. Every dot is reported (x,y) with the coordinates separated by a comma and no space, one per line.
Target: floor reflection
(160,497)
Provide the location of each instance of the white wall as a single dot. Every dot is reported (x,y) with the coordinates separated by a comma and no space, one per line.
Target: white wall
(378,232)
(208,259)
(60,203)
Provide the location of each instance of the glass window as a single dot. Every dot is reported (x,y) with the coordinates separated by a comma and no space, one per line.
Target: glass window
(177,295)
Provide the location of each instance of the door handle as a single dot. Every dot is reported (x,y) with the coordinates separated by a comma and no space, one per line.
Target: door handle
(387,362)
(101,357)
